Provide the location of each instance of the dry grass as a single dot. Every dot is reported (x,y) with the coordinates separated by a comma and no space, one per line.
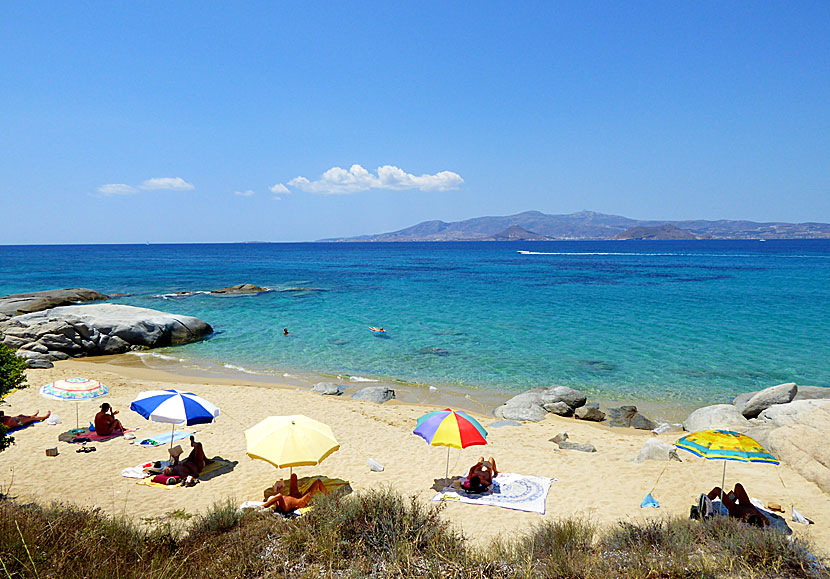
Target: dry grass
(379,534)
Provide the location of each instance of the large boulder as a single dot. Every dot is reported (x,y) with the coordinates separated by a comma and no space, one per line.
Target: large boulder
(559,408)
(327,389)
(17,304)
(570,396)
(781,394)
(656,449)
(533,413)
(789,414)
(376,394)
(718,416)
(622,415)
(98,329)
(590,413)
(640,422)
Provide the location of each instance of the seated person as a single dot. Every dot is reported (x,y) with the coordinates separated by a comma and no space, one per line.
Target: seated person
(191,466)
(293,500)
(481,476)
(738,505)
(105,421)
(21,419)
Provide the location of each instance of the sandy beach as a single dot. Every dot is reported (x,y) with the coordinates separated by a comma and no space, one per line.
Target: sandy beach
(605,486)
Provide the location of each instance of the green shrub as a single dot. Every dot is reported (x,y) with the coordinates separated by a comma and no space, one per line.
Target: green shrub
(12,376)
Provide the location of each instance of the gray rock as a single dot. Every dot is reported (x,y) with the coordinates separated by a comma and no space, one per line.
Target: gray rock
(791,413)
(39,363)
(241,289)
(656,449)
(812,393)
(741,399)
(570,396)
(113,345)
(530,398)
(558,408)
(640,422)
(781,394)
(58,342)
(562,441)
(591,413)
(327,389)
(718,416)
(622,415)
(524,413)
(376,394)
(503,423)
(56,355)
(16,304)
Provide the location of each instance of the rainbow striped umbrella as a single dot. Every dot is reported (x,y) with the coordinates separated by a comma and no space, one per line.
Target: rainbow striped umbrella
(75,389)
(725,445)
(450,428)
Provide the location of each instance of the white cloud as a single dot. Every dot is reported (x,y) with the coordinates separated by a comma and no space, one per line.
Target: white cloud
(166,183)
(247,193)
(281,189)
(339,181)
(112,189)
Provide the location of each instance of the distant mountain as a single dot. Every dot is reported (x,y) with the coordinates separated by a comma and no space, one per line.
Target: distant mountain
(517,233)
(664,232)
(587,225)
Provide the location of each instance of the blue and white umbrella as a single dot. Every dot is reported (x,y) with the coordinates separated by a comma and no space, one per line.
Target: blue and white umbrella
(174,407)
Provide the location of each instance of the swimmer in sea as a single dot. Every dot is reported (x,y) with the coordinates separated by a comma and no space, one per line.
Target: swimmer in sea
(285,331)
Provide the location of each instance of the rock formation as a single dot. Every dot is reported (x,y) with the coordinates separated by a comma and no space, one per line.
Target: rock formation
(534,405)
(376,394)
(96,329)
(241,289)
(17,304)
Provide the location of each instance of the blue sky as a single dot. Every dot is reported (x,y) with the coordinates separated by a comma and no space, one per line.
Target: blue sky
(149,121)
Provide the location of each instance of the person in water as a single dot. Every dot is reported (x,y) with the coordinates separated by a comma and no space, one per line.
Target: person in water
(105,421)
(285,331)
(293,500)
(21,419)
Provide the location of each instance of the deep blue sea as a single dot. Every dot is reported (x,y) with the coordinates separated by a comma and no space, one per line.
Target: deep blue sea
(684,320)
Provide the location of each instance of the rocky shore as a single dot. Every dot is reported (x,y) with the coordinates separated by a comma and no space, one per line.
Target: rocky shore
(42,328)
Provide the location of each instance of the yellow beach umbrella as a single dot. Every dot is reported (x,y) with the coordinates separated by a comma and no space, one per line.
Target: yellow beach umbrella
(289,441)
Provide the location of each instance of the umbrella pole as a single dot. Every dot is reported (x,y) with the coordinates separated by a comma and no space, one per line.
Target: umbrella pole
(447,470)
(171,435)
(77,420)
(722,482)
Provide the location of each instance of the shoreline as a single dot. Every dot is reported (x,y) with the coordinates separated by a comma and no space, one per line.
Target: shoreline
(605,486)
(465,397)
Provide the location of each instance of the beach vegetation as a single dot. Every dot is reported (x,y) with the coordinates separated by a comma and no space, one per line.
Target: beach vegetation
(380,533)
(12,377)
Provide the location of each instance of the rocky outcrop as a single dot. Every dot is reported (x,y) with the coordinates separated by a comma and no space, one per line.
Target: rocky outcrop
(718,416)
(18,304)
(562,441)
(376,394)
(91,330)
(628,416)
(241,289)
(812,393)
(759,401)
(535,404)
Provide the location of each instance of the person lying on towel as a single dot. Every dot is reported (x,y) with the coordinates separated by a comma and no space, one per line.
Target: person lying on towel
(187,469)
(105,421)
(21,419)
(293,500)
(481,475)
(738,505)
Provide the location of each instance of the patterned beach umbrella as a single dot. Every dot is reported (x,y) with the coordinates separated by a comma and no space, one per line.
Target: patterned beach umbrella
(174,407)
(725,445)
(450,428)
(289,441)
(76,389)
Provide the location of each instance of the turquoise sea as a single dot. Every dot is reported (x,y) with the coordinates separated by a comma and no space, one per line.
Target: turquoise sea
(666,321)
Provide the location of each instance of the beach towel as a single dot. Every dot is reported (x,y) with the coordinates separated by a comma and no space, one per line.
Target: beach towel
(166,438)
(148,482)
(333,485)
(218,466)
(81,435)
(519,492)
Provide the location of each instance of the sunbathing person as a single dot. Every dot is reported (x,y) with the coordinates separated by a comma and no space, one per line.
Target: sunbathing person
(481,475)
(21,419)
(293,500)
(105,421)
(738,505)
(190,466)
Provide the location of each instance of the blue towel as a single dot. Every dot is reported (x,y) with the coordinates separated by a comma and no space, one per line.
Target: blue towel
(649,501)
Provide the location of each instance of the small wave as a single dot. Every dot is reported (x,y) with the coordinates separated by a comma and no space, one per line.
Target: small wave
(287,375)
(175,295)
(238,368)
(358,379)
(157,355)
